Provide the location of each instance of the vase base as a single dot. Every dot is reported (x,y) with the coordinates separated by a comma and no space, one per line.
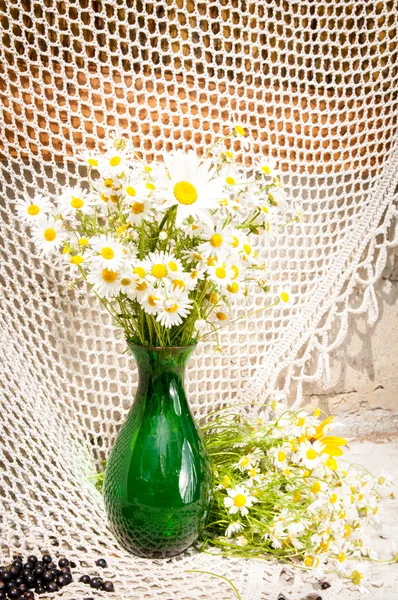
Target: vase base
(152,553)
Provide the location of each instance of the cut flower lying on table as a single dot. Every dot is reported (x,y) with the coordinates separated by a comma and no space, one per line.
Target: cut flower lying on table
(170,247)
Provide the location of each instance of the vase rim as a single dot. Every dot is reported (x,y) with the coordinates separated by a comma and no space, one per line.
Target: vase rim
(162,347)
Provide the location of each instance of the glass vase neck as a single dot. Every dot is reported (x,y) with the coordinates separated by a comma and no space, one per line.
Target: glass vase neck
(158,359)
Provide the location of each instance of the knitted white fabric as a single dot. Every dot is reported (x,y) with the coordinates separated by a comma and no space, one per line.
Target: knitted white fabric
(315,84)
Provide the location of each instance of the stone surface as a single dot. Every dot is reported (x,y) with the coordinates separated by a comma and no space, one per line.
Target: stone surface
(363,391)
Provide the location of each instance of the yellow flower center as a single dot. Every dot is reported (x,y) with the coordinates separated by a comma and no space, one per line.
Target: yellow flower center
(285,297)
(114,198)
(76,260)
(221,316)
(341,557)
(235,242)
(316,487)
(107,253)
(178,283)
(131,191)
(108,182)
(137,208)
(213,298)
(147,169)
(172,308)
(247,248)
(240,500)
(244,462)
(297,496)
(152,300)
(309,561)
(301,422)
(356,577)
(233,288)
(114,161)
(347,530)
(77,203)
(50,234)
(139,271)
(236,271)
(150,186)
(125,281)
(221,273)
(33,210)
(239,130)
(266,169)
(65,250)
(333,499)
(159,271)
(197,256)
(216,240)
(253,472)
(172,266)
(185,193)
(83,242)
(230,180)
(109,276)
(92,162)
(141,287)
(311,454)
(104,198)
(229,154)
(281,456)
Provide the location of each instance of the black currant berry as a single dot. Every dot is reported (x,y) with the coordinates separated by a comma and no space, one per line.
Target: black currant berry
(48,576)
(61,581)
(23,588)
(2,586)
(65,570)
(85,579)
(39,571)
(73,564)
(52,587)
(17,564)
(51,565)
(46,558)
(2,594)
(18,580)
(108,586)
(30,579)
(13,593)
(32,559)
(96,583)
(101,562)
(28,596)
(7,576)
(2,571)
(325,585)
(67,577)
(63,562)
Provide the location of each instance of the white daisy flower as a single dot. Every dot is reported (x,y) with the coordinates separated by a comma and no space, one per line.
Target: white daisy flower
(278,198)
(221,273)
(74,199)
(174,308)
(160,264)
(190,186)
(230,175)
(310,454)
(49,234)
(254,477)
(33,210)
(138,210)
(234,528)
(152,302)
(106,282)
(239,500)
(90,157)
(107,252)
(267,166)
(221,316)
(241,134)
(114,162)
(192,229)
(128,282)
(219,242)
(279,456)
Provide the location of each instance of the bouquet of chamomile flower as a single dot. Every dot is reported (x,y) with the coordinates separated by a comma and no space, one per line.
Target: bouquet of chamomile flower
(167,247)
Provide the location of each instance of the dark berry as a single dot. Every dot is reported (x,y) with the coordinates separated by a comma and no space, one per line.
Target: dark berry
(17,564)
(30,579)
(28,596)
(325,585)
(48,576)
(68,578)
(29,565)
(96,583)
(13,592)
(73,564)
(63,562)
(61,580)
(101,562)
(23,588)
(2,594)
(46,558)
(39,571)
(52,587)
(2,571)
(39,589)
(7,576)
(19,580)
(318,598)
(32,559)
(65,570)
(85,579)
(2,586)
(10,584)
(108,586)
(14,571)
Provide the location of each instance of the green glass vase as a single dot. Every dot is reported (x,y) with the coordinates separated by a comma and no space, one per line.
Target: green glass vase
(158,480)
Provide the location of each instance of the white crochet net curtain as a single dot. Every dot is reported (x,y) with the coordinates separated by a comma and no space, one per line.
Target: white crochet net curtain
(315,84)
